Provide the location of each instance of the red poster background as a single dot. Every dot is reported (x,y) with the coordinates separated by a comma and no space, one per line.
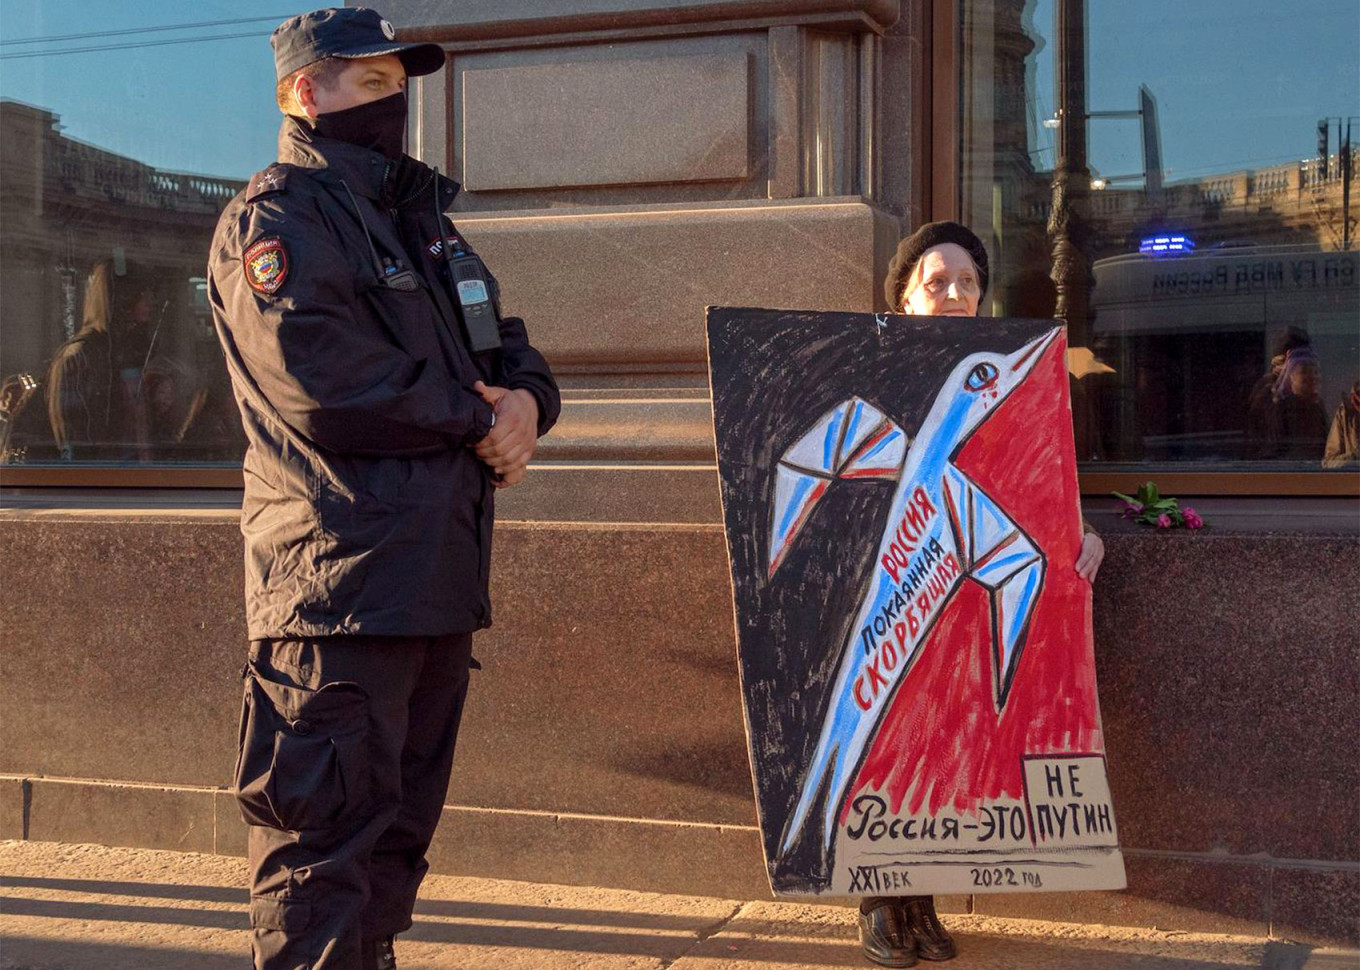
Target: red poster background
(942,739)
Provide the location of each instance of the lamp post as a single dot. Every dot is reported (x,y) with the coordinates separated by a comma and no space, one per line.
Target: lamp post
(1069,229)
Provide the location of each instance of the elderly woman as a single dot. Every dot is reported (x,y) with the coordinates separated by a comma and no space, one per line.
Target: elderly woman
(939,271)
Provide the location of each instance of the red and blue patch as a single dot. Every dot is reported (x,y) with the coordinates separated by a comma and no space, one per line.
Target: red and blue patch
(266,265)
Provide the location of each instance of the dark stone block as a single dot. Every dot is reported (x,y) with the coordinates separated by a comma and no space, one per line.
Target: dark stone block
(1170,894)
(1316,905)
(1229,670)
(12,797)
(139,816)
(125,639)
(610,680)
(610,685)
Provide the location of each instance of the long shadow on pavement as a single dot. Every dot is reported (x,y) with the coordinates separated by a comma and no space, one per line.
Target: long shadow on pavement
(448,909)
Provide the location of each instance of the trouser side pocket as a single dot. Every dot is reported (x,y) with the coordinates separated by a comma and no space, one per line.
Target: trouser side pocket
(302,763)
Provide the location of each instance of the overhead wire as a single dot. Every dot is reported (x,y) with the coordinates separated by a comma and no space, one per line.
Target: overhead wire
(56,38)
(126,47)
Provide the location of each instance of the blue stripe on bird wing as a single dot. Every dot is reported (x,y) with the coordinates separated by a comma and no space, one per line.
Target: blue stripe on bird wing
(832,436)
(888,439)
(1022,611)
(995,566)
(791,510)
(850,428)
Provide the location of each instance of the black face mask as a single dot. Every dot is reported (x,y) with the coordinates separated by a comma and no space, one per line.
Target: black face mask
(379,125)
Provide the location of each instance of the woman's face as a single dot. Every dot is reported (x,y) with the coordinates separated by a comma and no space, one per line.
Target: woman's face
(949,285)
(1304,381)
(141,309)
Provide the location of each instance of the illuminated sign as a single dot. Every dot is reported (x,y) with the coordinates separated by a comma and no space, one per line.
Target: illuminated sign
(1166,244)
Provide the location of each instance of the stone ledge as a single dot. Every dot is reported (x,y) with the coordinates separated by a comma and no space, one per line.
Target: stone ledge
(636,426)
(463,20)
(144,816)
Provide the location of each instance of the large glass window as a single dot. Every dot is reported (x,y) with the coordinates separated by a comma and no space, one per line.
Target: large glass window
(124,131)
(1174,181)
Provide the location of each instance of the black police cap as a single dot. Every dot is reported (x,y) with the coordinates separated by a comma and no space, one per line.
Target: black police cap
(348,32)
(912,248)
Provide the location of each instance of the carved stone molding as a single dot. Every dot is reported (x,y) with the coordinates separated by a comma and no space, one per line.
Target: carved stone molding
(462,20)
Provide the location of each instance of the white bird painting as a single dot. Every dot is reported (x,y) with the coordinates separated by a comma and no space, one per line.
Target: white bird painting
(941,530)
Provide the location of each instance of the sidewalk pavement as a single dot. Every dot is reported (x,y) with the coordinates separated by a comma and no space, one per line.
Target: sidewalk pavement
(82,907)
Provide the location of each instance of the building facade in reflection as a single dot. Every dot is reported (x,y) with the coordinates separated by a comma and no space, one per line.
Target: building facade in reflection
(109,353)
(1189,295)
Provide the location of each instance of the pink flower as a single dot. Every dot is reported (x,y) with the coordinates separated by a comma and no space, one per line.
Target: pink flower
(1192,519)
(1163,521)
(1130,510)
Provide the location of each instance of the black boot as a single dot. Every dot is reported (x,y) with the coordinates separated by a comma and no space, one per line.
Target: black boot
(883,934)
(379,954)
(932,940)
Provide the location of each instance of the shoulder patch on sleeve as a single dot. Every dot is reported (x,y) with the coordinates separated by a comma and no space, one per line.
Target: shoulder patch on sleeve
(266,265)
(272,179)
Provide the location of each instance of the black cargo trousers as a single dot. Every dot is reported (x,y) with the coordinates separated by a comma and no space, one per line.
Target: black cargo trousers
(346,746)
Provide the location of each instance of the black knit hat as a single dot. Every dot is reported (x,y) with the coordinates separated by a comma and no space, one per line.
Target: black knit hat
(911,249)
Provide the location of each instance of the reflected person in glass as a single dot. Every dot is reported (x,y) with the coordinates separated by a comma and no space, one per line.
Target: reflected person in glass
(1299,423)
(939,271)
(1343,437)
(98,400)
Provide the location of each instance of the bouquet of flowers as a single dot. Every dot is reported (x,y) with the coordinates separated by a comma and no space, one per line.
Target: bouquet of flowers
(1163,511)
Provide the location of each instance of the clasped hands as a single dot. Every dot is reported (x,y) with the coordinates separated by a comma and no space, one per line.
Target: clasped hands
(510,444)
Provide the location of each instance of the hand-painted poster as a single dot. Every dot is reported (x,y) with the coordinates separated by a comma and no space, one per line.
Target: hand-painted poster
(901,505)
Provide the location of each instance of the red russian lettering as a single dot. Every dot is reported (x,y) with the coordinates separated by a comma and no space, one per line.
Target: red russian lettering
(922,500)
(876,679)
(860,699)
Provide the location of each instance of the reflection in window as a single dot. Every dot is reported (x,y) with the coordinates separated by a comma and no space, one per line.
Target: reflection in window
(108,352)
(1144,173)
(102,314)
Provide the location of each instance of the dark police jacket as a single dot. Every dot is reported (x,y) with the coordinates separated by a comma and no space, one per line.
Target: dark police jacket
(365,510)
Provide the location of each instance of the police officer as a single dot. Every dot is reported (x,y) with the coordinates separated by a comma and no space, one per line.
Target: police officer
(384,400)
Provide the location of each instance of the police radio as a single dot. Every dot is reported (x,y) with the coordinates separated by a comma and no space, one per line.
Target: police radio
(481,321)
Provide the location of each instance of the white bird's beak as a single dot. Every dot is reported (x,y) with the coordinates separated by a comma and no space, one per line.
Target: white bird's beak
(1023,360)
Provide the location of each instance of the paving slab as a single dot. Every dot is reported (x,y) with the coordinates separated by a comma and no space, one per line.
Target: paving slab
(89,907)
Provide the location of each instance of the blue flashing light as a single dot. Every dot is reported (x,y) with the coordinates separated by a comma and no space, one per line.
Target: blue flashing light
(1158,245)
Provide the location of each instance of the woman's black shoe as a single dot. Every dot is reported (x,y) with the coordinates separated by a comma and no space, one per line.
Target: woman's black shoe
(932,940)
(884,935)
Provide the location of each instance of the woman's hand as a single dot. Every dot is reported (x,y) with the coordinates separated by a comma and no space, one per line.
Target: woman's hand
(1092,554)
